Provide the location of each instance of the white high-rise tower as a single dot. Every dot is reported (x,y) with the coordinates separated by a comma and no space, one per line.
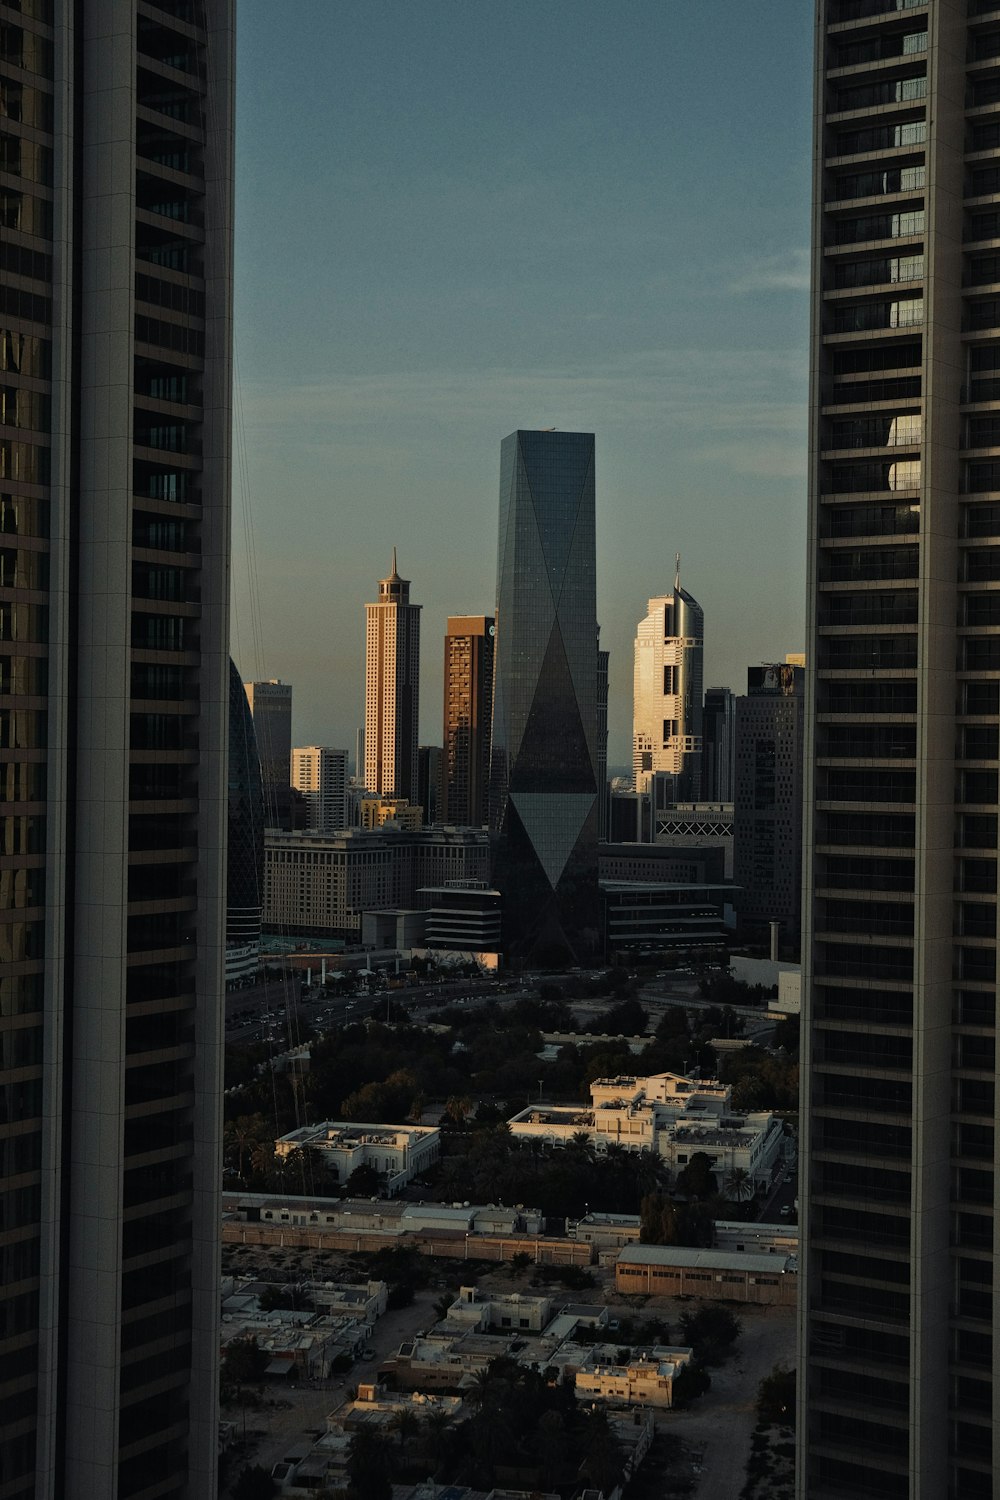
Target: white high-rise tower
(667,692)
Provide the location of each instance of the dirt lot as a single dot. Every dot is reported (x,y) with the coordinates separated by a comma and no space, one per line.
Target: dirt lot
(716,1429)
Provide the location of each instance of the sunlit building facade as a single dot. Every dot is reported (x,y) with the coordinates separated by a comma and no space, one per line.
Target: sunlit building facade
(319,773)
(392,689)
(468,707)
(898,1351)
(115,333)
(544,769)
(667,693)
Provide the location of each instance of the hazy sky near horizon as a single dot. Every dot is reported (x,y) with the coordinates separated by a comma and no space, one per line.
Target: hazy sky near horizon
(454,220)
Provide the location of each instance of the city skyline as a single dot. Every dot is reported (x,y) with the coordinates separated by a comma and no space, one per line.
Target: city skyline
(607,269)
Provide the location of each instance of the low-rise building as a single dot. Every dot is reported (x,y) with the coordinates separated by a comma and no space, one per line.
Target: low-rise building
(674,1117)
(298,1345)
(479,1311)
(398,1153)
(721,1275)
(443,1362)
(634,1382)
(606,1231)
(464,916)
(366,1302)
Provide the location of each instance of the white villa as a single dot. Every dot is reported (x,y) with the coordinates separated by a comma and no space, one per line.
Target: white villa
(673,1116)
(398,1153)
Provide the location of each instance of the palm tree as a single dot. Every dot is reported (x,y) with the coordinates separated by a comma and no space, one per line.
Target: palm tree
(436,1425)
(405,1424)
(739,1185)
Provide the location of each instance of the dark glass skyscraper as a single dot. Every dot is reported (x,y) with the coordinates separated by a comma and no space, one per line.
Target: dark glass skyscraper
(245,845)
(543,792)
(115,330)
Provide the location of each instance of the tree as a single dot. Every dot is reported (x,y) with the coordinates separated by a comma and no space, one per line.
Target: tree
(658,1221)
(363,1181)
(405,1424)
(244,1362)
(627,1019)
(244,1132)
(697,1179)
(458,1109)
(369,1467)
(436,1426)
(692,1380)
(253,1484)
(739,1185)
(711,1332)
(776,1397)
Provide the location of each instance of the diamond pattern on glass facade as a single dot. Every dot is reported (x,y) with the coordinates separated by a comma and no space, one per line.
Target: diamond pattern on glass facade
(543,791)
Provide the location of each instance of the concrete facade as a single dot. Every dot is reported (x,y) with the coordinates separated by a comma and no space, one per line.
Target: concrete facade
(322,885)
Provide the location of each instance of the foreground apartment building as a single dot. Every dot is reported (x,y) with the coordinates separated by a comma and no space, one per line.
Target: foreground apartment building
(115,215)
(898,1322)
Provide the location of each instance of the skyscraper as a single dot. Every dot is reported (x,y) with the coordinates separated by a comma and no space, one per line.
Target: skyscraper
(271,705)
(245,840)
(543,785)
(667,692)
(392,689)
(899,1340)
(603,789)
(114,504)
(320,774)
(430,783)
(468,706)
(767,811)
(718,744)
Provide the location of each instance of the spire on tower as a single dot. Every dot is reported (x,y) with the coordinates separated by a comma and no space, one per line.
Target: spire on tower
(677,572)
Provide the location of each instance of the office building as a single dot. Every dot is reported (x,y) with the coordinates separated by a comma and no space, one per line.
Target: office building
(468,707)
(603,786)
(114,504)
(321,885)
(899,1341)
(767,809)
(245,842)
(718,744)
(319,773)
(392,689)
(377,811)
(543,776)
(667,693)
(271,705)
(430,783)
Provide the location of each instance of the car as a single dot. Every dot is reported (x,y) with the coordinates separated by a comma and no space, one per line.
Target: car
(785,1210)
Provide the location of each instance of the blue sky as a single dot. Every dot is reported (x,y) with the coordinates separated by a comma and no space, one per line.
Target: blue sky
(455,219)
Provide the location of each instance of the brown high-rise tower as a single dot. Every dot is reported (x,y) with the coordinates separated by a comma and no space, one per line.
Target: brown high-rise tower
(468,705)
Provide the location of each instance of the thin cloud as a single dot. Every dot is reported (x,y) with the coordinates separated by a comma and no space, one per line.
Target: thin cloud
(788,272)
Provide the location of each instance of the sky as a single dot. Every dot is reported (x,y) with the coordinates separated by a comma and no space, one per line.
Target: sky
(455,220)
